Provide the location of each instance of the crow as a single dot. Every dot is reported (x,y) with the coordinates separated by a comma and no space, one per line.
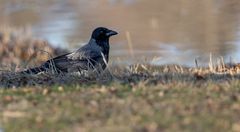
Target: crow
(93,55)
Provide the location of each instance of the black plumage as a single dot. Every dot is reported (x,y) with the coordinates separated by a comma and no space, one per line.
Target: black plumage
(93,55)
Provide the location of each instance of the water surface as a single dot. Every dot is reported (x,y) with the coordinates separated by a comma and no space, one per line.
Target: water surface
(160,31)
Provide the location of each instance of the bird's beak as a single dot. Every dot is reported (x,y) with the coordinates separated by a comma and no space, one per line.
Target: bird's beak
(111,33)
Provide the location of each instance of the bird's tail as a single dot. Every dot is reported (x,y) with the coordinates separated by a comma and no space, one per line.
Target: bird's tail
(34,70)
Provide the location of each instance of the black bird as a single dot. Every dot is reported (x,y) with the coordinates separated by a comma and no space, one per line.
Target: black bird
(91,56)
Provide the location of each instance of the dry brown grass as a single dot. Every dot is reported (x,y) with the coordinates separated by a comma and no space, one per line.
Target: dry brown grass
(18,48)
(147,74)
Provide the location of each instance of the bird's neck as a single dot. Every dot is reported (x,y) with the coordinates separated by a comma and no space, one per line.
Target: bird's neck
(104,45)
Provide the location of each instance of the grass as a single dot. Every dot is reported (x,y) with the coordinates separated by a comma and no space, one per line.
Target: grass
(177,106)
(133,99)
(139,97)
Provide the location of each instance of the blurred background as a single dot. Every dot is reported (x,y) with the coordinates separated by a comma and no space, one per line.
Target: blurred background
(153,31)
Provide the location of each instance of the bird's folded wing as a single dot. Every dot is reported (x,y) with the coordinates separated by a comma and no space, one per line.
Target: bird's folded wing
(77,60)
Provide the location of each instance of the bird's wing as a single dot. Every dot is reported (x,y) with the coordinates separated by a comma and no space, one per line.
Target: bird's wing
(78,60)
(85,59)
(57,62)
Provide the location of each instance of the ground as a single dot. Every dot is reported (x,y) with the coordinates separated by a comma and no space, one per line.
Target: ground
(136,101)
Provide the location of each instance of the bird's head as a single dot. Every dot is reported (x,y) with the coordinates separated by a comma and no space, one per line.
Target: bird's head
(102,33)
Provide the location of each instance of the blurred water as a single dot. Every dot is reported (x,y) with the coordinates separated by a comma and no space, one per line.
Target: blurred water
(176,31)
